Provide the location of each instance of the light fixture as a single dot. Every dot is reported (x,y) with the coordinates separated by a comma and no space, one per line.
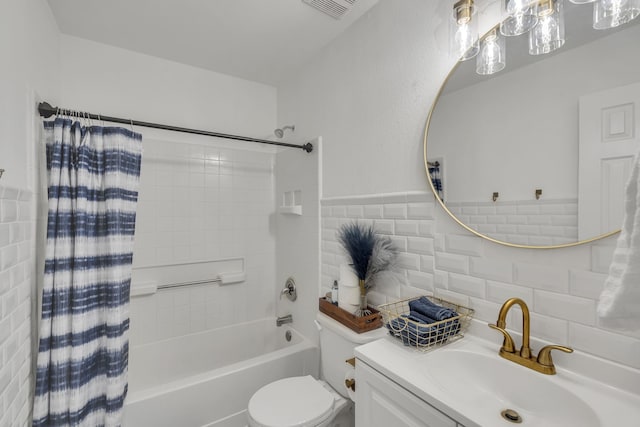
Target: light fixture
(491,57)
(612,13)
(464,30)
(521,17)
(548,34)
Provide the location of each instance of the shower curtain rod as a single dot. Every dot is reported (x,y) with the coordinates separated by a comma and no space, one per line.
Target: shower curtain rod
(46,110)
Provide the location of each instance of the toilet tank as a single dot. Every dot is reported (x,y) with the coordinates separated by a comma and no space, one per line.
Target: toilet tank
(337,343)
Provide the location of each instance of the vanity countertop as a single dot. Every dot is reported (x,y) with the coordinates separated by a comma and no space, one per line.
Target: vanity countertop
(549,400)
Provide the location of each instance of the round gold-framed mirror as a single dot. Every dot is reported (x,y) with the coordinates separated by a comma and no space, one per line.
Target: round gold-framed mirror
(512,159)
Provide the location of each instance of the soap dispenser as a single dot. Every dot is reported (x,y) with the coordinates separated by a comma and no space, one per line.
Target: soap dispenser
(334,292)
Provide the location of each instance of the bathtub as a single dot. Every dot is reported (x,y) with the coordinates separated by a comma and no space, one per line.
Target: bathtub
(207,378)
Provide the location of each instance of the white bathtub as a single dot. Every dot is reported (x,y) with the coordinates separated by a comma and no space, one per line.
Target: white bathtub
(207,378)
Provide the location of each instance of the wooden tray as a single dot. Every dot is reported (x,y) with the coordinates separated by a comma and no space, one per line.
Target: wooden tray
(356,324)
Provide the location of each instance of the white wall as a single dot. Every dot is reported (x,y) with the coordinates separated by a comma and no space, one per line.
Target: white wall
(298,236)
(16,284)
(116,82)
(368,93)
(203,209)
(29,52)
(29,44)
(200,198)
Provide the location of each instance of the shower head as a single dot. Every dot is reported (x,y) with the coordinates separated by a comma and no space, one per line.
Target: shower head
(280,132)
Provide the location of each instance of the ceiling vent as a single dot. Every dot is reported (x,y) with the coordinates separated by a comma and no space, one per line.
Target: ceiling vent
(334,8)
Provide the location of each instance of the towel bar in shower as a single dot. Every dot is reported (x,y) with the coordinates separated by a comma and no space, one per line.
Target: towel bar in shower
(223,279)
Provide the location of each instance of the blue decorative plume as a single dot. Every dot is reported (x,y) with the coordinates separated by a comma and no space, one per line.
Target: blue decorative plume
(358,240)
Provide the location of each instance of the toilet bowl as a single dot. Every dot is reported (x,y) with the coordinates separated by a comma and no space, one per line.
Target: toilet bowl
(308,402)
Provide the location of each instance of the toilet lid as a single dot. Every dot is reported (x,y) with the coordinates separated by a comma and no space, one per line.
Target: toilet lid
(291,402)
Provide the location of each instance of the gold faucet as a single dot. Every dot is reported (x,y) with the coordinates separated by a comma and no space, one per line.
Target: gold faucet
(543,363)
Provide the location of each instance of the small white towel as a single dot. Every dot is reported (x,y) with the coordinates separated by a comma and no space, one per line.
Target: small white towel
(619,305)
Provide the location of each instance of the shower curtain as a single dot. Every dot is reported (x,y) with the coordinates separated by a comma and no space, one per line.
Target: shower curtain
(436,179)
(93,176)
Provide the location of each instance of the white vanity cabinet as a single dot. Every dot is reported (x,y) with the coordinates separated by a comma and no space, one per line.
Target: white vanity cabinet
(468,383)
(383,403)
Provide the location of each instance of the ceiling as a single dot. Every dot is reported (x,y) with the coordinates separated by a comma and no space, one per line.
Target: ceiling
(259,40)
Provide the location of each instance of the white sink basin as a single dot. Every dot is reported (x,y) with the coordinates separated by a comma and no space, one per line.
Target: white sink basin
(471,383)
(493,384)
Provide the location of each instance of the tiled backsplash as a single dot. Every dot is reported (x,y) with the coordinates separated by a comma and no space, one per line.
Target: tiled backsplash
(203,202)
(16,265)
(538,222)
(407,218)
(560,286)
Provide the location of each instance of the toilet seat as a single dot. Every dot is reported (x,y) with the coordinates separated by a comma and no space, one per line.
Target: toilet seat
(291,402)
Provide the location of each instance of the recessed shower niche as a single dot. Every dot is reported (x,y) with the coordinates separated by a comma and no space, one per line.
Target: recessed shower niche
(291,203)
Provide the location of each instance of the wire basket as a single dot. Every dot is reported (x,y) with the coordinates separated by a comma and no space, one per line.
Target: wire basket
(425,336)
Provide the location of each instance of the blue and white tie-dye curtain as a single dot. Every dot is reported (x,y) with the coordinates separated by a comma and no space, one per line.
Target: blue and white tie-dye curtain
(93,176)
(436,178)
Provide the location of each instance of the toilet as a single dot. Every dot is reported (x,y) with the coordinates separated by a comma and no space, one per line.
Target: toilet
(305,401)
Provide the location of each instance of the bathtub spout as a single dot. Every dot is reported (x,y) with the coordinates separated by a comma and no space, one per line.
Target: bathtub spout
(284,319)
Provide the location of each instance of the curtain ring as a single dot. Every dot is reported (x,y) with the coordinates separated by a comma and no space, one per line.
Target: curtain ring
(131,123)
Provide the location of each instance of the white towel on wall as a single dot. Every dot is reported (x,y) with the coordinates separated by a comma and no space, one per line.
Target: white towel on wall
(619,305)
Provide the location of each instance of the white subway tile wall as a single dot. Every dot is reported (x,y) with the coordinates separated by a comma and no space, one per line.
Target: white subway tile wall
(203,203)
(16,233)
(561,287)
(527,222)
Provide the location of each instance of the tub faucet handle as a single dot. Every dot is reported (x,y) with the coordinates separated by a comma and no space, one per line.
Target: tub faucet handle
(289,290)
